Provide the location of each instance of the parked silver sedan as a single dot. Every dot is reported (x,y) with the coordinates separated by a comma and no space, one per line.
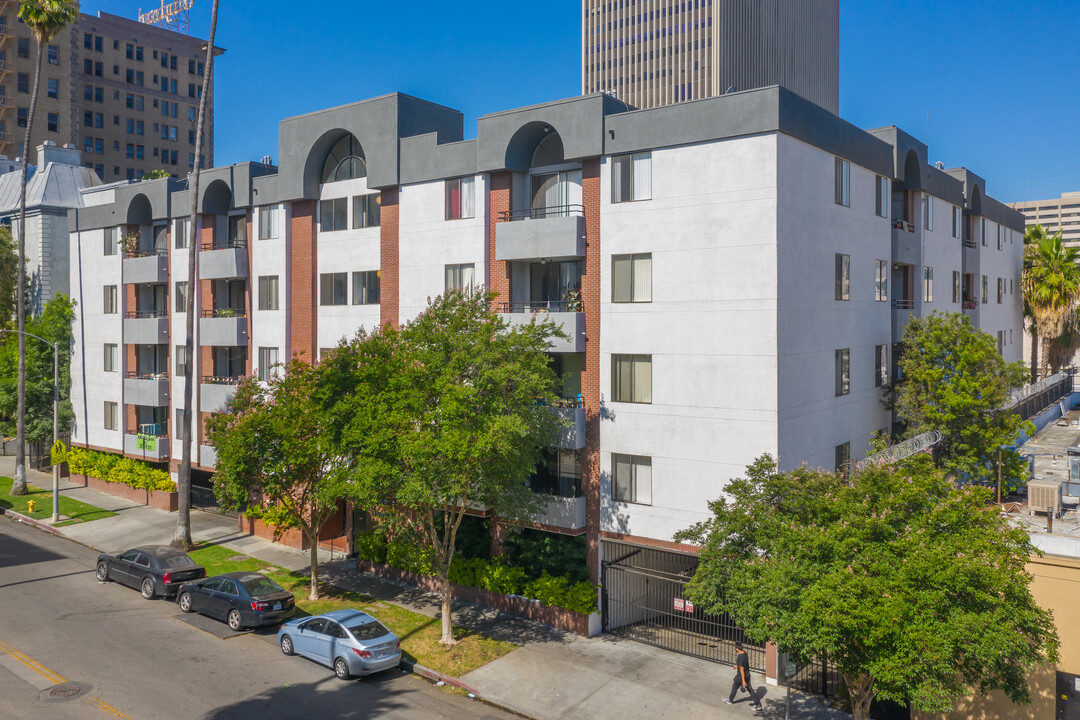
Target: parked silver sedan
(352,642)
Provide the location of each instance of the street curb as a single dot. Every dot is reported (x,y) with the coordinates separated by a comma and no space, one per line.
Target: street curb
(436,677)
(19,517)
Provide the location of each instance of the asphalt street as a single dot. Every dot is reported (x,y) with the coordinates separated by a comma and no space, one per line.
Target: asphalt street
(71,647)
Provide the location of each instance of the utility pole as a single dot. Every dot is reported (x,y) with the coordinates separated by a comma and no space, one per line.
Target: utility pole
(999,477)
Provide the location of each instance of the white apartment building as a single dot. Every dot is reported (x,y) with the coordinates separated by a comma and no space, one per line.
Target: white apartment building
(733,274)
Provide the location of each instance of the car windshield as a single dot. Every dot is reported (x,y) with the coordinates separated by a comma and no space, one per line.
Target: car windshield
(260,585)
(175,562)
(368,630)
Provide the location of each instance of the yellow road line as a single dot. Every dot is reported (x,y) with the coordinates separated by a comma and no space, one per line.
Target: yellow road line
(34,665)
(106,708)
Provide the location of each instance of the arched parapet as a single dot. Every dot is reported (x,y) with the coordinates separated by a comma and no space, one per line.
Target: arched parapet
(507,140)
(216,198)
(139,211)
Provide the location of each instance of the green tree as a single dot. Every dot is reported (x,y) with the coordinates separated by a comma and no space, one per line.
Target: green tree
(953,379)
(182,537)
(46,19)
(158,173)
(9,264)
(276,443)
(54,325)
(447,413)
(1051,288)
(916,590)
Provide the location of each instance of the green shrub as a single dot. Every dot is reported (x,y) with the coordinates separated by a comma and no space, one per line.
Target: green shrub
(371,546)
(538,551)
(557,591)
(116,469)
(406,554)
(276,516)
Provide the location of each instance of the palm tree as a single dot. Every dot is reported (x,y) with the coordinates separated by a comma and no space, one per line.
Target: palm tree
(182,538)
(46,19)
(1050,286)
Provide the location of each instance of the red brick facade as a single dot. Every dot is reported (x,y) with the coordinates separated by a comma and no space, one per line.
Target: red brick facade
(590,375)
(161,499)
(303,282)
(500,200)
(389,258)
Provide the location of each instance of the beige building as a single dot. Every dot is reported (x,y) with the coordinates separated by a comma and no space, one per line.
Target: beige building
(657,52)
(1060,215)
(123,92)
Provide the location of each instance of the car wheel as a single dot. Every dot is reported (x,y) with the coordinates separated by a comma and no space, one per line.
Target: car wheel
(341,669)
(102,573)
(286,645)
(185,602)
(148,588)
(235,623)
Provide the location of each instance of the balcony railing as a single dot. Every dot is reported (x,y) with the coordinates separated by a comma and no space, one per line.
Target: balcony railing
(565,402)
(550,211)
(228,245)
(222,379)
(970,304)
(146,252)
(152,429)
(146,375)
(903,304)
(524,306)
(144,314)
(224,313)
(903,225)
(969,243)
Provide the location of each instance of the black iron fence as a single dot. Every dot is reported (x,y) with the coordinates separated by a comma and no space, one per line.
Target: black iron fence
(538,213)
(1032,400)
(203,498)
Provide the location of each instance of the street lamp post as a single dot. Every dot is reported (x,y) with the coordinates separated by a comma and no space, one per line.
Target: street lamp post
(56,416)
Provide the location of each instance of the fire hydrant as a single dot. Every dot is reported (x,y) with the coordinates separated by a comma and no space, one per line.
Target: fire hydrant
(30,506)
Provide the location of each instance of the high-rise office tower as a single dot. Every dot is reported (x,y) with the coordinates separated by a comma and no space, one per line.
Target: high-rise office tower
(658,52)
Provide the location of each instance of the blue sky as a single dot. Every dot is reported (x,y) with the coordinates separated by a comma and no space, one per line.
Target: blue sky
(1000,79)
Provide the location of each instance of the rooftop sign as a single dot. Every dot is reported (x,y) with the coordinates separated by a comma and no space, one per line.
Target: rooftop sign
(173,15)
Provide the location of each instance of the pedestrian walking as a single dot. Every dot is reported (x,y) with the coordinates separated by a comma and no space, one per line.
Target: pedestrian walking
(742,677)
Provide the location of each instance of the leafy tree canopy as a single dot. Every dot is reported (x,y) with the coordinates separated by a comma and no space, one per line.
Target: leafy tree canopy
(915,589)
(953,379)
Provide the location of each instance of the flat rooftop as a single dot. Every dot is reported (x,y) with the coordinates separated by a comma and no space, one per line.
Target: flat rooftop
(1049,448)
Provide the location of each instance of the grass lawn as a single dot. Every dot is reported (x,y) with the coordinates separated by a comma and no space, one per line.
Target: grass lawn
(419,633)
(78,511)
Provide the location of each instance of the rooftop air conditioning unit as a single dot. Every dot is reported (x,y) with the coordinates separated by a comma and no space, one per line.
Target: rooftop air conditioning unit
(1043,494)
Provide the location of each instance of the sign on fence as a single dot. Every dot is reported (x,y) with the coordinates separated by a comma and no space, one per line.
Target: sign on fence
(146,442)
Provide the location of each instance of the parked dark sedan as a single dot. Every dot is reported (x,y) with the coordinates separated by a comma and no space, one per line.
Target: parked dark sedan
(154,569)
(242,599)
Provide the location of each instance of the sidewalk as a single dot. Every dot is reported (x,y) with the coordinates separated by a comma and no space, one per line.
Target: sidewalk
(553,676)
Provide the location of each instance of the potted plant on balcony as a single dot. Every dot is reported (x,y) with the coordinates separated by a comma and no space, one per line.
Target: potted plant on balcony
(225,312)
(129,243)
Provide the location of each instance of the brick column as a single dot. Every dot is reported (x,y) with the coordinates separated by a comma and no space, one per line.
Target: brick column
(249,297)
(772,661)
(498,535)
(303,282)
(500,200)
(205,353)
(590,375)
(389,257)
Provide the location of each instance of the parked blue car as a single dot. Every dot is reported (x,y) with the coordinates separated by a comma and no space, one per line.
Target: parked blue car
(350,641)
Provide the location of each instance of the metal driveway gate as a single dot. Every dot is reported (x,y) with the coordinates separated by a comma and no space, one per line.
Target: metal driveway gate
(643,599)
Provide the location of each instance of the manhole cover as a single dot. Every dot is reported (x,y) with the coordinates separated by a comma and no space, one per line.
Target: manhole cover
(239,558)
(63,692)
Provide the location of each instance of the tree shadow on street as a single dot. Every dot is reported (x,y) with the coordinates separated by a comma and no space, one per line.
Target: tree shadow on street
(356,699)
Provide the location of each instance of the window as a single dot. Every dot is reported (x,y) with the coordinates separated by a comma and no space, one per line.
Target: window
(22,82)
(881,283)
(24,47)
(843,182)
(140,127)
(181,365)
(53,88)
(928,284)
(129,51)
(956,222)
(1001,236)
(333,214)
(181,296)
(631,378)
(984,229)
(110,357)
(181,237)
(267,222)
(631,177)
(365,287)
(843,372)
(268,292)
(461,278)
(928,212)
(843,458)
(881,204)
(333,288)
(365,210)
(460,198)
(956,286)
(109,304)
(238,230)
(53,121)
(268,358)
(631,479)
(631,278)
(110,240)
(110,415)
(88,41)
(843,277)
(1001,289)
(881,365)
(985,290)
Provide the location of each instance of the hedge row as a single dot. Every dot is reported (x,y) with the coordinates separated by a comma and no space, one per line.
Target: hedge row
(495,574)
(113,468)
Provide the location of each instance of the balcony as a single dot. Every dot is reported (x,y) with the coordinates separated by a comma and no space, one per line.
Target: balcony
(572,435)
(902,310)
(221,262)
(566,314)
(207,456)
(563,512)
(223,327)
(906,243)
(148,266)
(153,444)
(146,327)
(550,232)
(215,392)
(146,388)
